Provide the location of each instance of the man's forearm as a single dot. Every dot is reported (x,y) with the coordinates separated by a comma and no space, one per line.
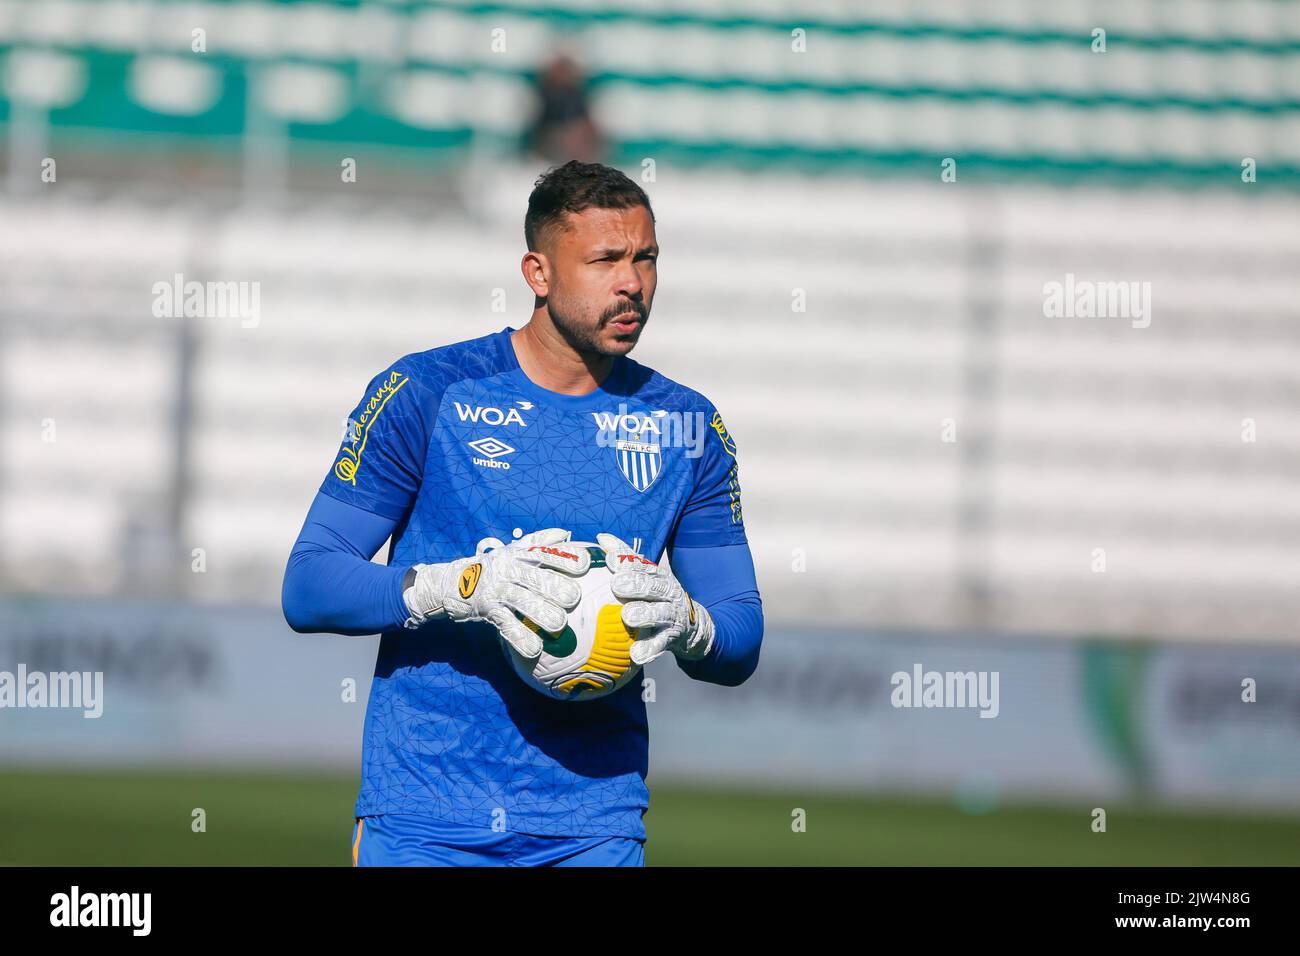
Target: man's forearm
(331,585)
(330,591)
(738,635)
(722,579)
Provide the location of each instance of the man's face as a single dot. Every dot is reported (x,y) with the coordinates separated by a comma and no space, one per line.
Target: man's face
(602,278)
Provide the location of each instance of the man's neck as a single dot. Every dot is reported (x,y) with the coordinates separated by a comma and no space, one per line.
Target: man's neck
(549,361)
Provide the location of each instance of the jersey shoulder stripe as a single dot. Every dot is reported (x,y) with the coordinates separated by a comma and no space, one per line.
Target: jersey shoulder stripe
(380,462)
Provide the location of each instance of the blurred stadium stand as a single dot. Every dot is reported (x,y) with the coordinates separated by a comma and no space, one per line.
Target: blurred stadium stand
(1185,87)
(774,172)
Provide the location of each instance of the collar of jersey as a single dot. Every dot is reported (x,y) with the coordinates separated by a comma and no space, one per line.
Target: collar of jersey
(606,393)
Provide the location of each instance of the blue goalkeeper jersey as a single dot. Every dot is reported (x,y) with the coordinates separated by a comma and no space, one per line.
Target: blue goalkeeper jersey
(457,444)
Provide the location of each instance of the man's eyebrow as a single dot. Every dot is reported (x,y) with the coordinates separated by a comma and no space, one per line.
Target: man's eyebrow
(612,251)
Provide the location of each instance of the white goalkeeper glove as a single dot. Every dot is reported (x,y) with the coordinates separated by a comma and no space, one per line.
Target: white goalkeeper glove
(533,576)
(664,616)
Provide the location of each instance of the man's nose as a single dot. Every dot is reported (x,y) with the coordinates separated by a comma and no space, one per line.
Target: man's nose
(629,281)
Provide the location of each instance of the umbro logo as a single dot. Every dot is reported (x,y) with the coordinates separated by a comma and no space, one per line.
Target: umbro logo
(491,449)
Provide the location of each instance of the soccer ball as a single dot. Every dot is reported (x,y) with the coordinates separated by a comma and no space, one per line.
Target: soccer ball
(591,657)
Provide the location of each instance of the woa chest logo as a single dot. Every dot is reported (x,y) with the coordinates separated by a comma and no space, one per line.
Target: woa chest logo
(487,415)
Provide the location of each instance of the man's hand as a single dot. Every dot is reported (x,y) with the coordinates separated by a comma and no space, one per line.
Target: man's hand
(533,576)
(657,606)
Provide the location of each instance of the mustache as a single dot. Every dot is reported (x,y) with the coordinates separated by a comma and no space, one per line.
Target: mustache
(617,310)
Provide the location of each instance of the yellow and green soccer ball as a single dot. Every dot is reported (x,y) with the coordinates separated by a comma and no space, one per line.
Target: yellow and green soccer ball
(591,657)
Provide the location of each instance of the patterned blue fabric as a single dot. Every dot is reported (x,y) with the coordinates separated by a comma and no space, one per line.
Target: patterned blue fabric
(456,444)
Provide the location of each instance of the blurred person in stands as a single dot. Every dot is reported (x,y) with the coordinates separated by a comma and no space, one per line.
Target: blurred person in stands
(562,128)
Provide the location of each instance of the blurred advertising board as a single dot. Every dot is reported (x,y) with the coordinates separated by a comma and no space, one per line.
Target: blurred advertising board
(981,717)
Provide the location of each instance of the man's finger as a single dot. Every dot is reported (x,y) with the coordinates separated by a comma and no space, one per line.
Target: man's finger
(560,557)
(516,633)
(611,542)
(648,614)
(545,536)
(634,585)
(545,614)
(644,650)
(552,585)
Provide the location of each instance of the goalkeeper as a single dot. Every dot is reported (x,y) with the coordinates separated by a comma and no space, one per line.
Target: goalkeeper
(531,436)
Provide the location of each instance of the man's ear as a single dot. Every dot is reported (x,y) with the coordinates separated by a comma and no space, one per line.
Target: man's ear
(536,269)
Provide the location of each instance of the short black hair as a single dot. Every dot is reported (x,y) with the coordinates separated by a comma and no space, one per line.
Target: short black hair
(574,187)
